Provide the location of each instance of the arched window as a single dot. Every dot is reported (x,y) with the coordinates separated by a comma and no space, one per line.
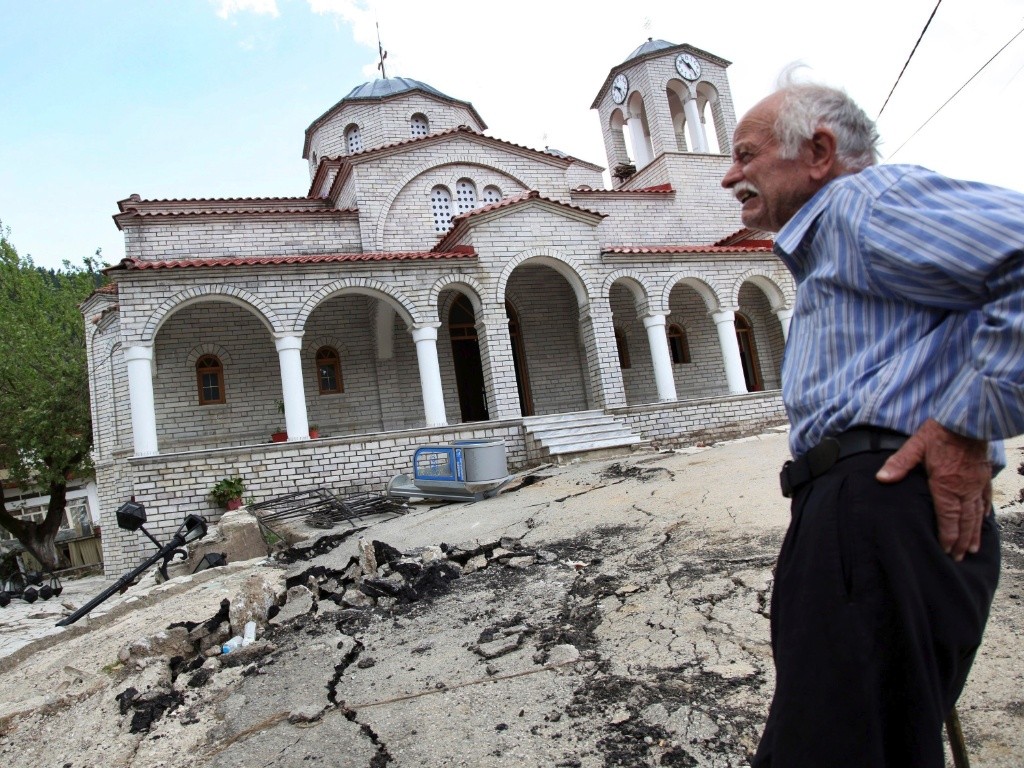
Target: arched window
(418,125)
(623,348)
(678,345)
(491,194)
(328,371)
(353,139)
(210,380)
(441,207)
(465,196)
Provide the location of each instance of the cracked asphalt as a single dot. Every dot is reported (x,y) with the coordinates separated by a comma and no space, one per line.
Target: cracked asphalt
(608,613)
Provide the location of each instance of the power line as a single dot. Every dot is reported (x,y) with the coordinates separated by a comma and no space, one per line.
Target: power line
(912,51)
(983,66)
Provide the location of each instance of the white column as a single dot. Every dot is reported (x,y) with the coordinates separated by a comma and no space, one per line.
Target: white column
(638,137)
(430,374)
(139,361)
(726,327)
(784,315)
(292,390)
(695,126)
(660,356)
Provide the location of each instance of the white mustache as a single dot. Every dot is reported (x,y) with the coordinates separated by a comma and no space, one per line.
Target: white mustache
(744,187)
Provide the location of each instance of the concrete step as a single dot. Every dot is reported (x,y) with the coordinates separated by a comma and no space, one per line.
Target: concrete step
(582,431)
(578,433)
(582,446)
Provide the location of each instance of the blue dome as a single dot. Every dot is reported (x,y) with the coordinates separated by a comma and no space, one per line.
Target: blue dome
(650,47)
(378,89)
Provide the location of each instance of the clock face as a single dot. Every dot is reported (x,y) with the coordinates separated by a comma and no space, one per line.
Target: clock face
(687,66)
(620,86)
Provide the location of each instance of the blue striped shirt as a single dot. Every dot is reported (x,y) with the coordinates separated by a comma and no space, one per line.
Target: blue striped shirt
(909,306)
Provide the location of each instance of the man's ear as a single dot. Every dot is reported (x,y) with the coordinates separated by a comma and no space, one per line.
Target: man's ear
(820,155)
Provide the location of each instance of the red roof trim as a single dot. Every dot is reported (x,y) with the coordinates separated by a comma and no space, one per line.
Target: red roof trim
(252,212)
(463,252)
(626,250)
(656,189)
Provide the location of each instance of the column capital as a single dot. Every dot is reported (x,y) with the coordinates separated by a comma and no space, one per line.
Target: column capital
(724,316)
(139,352)
(288,341)
(654,318)
(424,331)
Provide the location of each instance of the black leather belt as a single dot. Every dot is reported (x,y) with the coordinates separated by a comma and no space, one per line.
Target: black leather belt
(822,457)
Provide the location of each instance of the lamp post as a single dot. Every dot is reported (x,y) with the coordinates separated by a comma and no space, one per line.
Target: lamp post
(131,516)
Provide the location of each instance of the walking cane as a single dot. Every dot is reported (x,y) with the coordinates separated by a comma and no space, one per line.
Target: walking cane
(956,740)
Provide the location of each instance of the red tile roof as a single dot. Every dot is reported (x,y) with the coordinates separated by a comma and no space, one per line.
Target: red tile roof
(463,252)
(132,200)
(747,236)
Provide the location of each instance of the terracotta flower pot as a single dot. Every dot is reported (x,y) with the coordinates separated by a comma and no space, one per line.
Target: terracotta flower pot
(279,437)
(234,504)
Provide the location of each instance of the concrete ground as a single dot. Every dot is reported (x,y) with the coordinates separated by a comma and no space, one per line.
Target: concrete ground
(607,613)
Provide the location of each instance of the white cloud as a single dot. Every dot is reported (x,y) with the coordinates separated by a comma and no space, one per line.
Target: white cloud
(228,8)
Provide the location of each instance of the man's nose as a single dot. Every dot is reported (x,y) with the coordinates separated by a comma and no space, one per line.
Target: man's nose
(732,176)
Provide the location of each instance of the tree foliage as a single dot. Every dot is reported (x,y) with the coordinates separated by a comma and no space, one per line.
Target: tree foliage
(45,425)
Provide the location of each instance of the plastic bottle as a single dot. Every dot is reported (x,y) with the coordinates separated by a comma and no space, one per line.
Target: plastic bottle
(232,644)
(249,634)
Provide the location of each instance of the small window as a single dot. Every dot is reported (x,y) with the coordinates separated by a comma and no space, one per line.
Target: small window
(678,345)
(441,207)
(210,380)
(491,194)
(328,371)
(465,196)
(623,348)
(353,139)
(419,126)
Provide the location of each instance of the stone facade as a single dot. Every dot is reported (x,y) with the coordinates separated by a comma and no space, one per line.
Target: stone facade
(461,282)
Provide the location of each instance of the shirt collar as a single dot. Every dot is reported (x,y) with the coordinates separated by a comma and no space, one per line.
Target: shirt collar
(795,230)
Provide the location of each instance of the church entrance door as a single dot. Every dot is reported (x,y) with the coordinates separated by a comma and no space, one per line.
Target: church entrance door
(469,373)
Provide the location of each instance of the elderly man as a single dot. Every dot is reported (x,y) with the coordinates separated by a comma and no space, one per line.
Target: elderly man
(903,371)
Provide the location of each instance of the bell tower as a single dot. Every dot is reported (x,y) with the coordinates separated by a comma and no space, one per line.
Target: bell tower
(664,101)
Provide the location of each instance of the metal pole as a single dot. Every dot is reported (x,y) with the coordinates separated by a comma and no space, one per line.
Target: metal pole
(165,552)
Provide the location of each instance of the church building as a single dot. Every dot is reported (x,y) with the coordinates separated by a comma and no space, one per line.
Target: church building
(436,283)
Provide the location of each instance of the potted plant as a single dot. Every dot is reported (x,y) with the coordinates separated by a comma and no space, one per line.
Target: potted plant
(314,431)
(227,492)
(281,435)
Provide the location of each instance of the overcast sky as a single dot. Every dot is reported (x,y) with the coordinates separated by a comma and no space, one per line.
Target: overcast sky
(211,98)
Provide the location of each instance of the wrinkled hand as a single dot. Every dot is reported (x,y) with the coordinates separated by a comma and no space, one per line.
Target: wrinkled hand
(959,478)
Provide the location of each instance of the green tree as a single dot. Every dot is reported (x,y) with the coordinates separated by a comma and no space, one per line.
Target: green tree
(45,423)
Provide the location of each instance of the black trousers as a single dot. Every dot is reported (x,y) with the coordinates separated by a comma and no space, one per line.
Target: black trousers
(874,628)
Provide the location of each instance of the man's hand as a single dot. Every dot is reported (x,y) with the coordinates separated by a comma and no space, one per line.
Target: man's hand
(959,478)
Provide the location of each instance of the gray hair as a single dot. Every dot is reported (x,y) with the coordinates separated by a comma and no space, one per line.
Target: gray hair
(805,107)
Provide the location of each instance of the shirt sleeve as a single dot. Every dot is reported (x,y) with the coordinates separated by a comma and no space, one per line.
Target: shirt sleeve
(959,246)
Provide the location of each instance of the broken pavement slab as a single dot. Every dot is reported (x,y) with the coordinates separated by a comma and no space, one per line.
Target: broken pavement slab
(634,633)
